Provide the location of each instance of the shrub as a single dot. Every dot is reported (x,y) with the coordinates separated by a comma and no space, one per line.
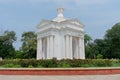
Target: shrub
(28,62)
(47,63)
(10,66)
(59,63)
(99,56)
(115,63)
(63,63)
(24,63)
(101,62)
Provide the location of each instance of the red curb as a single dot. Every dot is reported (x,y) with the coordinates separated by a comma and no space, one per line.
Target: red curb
(59,71)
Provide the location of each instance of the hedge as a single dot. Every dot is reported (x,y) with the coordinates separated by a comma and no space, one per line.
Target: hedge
(54,63)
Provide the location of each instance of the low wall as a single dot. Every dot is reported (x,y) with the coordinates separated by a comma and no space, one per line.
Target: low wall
(59,71)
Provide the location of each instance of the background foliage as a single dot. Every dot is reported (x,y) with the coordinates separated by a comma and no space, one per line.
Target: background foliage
(106,48)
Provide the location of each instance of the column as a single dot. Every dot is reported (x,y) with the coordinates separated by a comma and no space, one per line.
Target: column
(83,49)
(67,46)
(70,45)
(39,49)
(51,47)
(56,47)
(77,48)
(63,47)
(43,49)
(80,50)
(48,47)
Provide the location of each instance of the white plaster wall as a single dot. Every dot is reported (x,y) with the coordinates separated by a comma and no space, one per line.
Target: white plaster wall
(57,45)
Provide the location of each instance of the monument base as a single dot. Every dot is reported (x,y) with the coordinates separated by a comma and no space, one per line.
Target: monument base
(59,71)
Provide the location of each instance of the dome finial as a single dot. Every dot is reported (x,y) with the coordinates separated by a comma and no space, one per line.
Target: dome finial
(60,12)
(60,17)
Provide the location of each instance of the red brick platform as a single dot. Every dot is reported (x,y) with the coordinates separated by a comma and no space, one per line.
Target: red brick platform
(59,71)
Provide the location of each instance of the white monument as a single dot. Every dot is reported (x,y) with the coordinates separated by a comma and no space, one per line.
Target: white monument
(61,38)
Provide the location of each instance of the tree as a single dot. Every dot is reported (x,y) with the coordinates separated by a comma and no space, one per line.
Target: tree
(7,50)
(91,50)
(112,38)
(87,39)
(88,46)
(19,54)
(29,44)
(102,47)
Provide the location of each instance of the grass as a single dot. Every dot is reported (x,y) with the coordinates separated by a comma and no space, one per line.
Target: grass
(115,63)
(10,65)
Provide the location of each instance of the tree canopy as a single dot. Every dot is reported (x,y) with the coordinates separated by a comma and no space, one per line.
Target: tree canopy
(29,44)
(112,38)
(6,44)
(108,47)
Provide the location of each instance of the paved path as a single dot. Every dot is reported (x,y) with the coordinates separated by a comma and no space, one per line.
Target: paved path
(75,77)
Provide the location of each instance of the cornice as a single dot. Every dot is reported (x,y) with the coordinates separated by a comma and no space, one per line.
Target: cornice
(74,22)
(44,23)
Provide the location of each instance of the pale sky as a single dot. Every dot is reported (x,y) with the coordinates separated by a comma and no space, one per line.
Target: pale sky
(24,15)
